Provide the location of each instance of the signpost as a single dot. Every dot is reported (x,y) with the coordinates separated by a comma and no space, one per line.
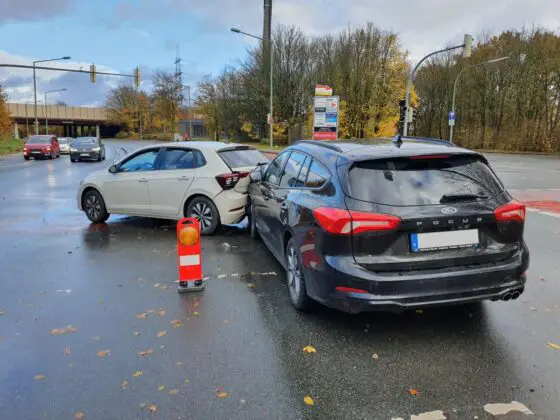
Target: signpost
(325,116)
(451,119)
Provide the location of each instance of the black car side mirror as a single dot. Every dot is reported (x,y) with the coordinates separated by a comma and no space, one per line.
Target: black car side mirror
(113,169)
(256,175)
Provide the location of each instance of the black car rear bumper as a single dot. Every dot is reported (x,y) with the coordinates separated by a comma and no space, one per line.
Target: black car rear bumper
(397,292)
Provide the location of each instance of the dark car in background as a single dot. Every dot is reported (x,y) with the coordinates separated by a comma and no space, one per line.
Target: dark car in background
(41,146)
(87,148)
(389,226)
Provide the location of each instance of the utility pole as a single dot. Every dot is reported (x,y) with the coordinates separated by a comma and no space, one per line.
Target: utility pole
(268,52)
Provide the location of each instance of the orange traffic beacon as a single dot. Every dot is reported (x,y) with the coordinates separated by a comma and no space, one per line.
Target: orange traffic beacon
(188,250)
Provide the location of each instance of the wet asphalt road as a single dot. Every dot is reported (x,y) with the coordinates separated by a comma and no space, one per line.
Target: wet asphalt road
(240,338)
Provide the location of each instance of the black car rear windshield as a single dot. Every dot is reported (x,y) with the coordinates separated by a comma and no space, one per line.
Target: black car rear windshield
(419,182)
(239,158)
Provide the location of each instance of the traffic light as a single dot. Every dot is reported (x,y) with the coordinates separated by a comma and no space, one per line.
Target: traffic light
(467,51)
(402,112)
(137,77)
(410,116)
(92,74)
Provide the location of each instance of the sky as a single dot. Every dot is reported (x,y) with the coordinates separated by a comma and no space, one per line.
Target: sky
(118,35)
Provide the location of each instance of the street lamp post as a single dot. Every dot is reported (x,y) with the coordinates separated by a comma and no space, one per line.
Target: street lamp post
(467,45)
(35,86)
(455,87)
(46,107)
(271,105)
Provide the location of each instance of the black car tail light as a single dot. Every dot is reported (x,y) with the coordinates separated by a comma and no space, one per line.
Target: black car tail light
(228,181)
(345,222)
(514,211)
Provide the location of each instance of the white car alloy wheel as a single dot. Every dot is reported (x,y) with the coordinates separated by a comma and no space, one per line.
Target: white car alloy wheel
(204,215)
(205,211)
(294,274)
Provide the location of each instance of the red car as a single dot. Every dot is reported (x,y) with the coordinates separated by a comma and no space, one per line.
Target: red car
(41,146)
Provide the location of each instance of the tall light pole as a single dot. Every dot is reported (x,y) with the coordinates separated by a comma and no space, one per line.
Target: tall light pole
(455,86)
(46,107)
(27,117)
(467,45)
(35,85)
(271,105)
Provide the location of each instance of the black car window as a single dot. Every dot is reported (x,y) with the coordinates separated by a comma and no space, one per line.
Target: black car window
(419,182)
(141,162)
(182,159)
(291,171)
(317,175)
(275,169)
(240,158)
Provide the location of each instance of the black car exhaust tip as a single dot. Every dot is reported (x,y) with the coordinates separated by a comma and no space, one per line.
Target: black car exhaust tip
(515,295)
(506,297)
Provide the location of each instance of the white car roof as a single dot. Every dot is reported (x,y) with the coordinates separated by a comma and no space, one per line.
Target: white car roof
(200,145)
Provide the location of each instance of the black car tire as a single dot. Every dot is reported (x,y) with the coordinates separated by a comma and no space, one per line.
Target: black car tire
(73,160)
(295,279)
(94,206)
(99,158)
(253,231)
(206,212)
(26,158)
(51,157)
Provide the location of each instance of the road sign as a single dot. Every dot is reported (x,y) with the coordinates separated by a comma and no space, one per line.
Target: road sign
(323,90)
(325,121)
(451,119)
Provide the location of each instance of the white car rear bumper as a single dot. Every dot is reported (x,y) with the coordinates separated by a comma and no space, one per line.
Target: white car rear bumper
(232,206)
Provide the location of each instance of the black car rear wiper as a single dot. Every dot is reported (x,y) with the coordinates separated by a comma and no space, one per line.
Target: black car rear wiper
(454,198)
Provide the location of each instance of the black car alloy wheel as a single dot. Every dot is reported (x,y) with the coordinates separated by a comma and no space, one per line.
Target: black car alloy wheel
(295,279)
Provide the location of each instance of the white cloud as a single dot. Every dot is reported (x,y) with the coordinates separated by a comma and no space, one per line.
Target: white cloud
(18,10)
(141,33)
(19,82)
(423,25)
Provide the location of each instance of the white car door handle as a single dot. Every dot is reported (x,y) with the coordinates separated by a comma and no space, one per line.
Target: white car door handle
(142,180)
(184,178)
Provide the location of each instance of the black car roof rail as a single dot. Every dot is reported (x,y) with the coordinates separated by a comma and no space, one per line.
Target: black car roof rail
(424,139)
(321,144)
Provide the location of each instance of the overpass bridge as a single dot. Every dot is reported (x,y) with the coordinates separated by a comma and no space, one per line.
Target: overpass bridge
(64,121)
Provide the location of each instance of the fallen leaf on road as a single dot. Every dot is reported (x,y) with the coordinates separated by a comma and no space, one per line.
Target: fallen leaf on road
(177,323)
(179,364)
(419,311)
(195,314)
(64,330)
(430,415)
(553,346)
(413,391)
(156,285)
(138,373)
(375,356)
(142,405)
(161,388)
(161,312)
(152,408)
(226,321)
(142,315)
(79,416)
(222,394)
(163,287)
(161,334)
(308,400)
(124,384)
(309,349)
(173,392)
(187,381)
(67,351)
(2,313)
(251,285)
(145,353)
(136,333)
(532,308)
(103,353)
(221,276)
(39,377)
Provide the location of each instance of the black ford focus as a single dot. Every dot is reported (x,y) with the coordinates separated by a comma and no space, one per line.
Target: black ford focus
(87,148)
(392,226)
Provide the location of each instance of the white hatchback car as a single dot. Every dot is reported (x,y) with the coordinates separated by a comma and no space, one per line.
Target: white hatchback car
(206,180)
